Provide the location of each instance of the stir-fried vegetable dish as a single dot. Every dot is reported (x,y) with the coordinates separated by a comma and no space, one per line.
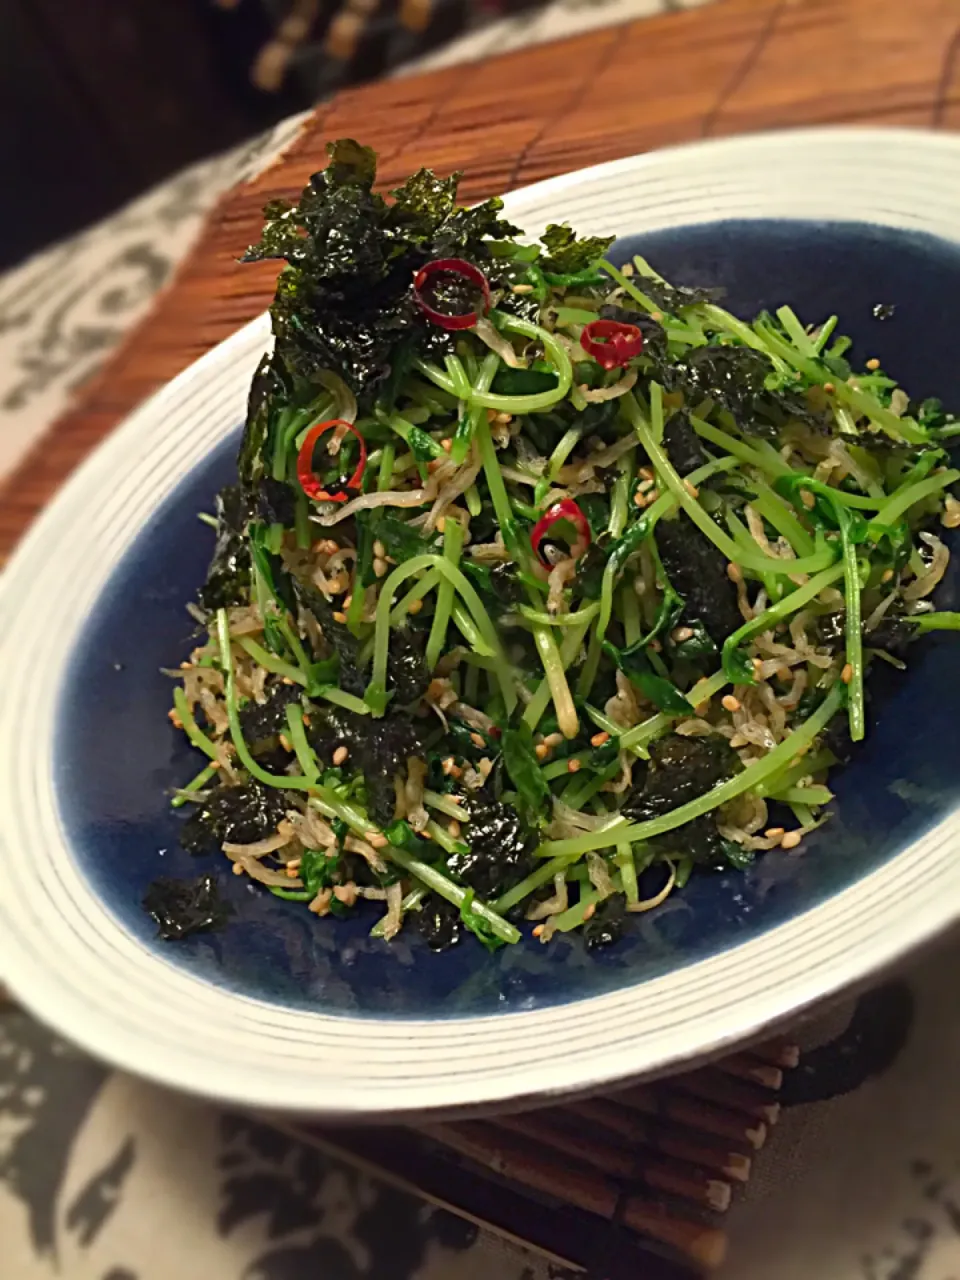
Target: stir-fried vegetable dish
(545,584)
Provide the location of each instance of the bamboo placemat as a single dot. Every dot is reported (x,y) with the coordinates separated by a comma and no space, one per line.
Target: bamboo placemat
(730,67)
(631,1186)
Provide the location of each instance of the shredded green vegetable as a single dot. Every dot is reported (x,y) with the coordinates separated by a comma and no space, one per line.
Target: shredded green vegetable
(599,605)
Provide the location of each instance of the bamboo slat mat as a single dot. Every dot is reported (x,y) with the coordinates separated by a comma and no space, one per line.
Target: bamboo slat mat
(729,67)
(635,1184)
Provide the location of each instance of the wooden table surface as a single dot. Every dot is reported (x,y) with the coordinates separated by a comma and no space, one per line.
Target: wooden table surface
(730,67)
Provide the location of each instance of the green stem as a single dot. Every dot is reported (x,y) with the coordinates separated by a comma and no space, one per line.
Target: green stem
(902,500)
(269,661)
(298,736)
(854,634)
(339,698)
(559,619)
(417,592)
(755,773)
(569,648)
(455,893)
(195,784)
(467,428)
(458,377)
(944,621)
(377,689)
(446,805)
(284,781)
(388,456)
(756,561)
(776,613)
(555,352)
(452,544)
(543,875)
(190,727)
(628,872)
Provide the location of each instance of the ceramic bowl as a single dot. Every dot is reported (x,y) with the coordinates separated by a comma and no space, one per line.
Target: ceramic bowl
(282,1010)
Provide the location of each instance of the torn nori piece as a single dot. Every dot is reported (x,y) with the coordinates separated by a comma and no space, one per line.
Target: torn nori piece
(682,444)
(893,635)
(671,297)
(698,572)
(228,577)
(500,848)
(240,815)
(566,254)
(343,642)
(439,923)
(407,672)
(605,925)
(344,300)
(681,769)
(182,907)
(278,502)
(261,723)
(379,749)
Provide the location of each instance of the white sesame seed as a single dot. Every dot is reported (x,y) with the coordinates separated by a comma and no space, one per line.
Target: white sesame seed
(379,567)
(791,840)
(340,755)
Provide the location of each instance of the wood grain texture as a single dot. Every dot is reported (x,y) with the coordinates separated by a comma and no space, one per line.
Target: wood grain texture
(733,66)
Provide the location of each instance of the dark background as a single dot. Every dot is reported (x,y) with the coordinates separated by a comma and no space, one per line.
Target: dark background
(100,99)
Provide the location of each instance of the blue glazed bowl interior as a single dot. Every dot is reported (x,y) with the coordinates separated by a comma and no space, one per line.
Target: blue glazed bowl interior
(118,757)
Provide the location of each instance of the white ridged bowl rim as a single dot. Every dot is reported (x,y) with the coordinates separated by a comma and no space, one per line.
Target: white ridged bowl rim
(69,960)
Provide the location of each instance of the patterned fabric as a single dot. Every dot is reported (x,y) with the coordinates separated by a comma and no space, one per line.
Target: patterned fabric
(105,1178)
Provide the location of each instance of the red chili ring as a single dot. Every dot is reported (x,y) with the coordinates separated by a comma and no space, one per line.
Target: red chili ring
(456,267)
(566,509)
(611,343)
(306,474)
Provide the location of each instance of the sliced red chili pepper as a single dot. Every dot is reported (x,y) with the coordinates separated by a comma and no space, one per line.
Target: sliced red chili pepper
(568,510)
(611,343)
(451,267)
(305,473)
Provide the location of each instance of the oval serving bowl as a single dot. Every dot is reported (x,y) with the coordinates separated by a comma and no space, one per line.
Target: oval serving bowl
(280,1010)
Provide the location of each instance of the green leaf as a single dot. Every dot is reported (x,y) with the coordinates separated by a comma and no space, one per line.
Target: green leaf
(523,768)
(737,666)
(477,925)
(523,382)
(699,648)
(402,835)
(317,870)
(658,689)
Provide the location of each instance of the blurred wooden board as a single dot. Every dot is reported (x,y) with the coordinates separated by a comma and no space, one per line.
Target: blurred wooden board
(729,67)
